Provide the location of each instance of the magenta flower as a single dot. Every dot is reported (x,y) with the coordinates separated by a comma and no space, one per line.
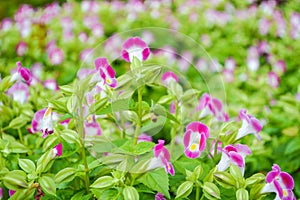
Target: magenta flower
(209,105)
(57,150)
(159,196)
(144,138)
(135,47)
(168,77)
(195,139)
(250,125)
(172,108)
(273,79)
(21,48)
(279,67)
(47,121)
(6,24)
(22,74)
(234,155)
(106,72)
(19,92)
(1,193)
(280,182)
(91,127)
(11,192)
(161,158)
(56,56)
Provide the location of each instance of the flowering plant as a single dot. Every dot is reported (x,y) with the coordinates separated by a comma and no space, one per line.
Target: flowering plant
(141,120)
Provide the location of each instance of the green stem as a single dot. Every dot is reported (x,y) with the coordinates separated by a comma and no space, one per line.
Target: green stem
(83,153)
(198,193)
(139,123)
(174,128)
(20,135)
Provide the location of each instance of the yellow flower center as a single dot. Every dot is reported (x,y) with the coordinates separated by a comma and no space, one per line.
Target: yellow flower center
(108,81)
(193,147)
(90,119)
(285,193)
(48,112)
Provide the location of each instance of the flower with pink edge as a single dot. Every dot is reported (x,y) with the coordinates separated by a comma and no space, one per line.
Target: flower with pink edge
(194,139)
(107,73)
(135,47)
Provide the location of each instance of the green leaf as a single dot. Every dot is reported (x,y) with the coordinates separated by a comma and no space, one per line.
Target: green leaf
(27,165)
(156,180)
(59,105)
(211,190)
(66,89)
(65,175)
(242,194)
(103,182)
(45,162)
(70,136)
(143,147)
(17,147)
(17,122)
(292,146)
(184,190)
(98,105)
(256,178)
(15,180)
(105,194)
(130,193)
(225,179)
(48,185)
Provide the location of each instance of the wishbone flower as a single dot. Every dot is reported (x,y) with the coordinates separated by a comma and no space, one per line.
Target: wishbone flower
(91,127)
(280,182)
(107,73)
(135,47)
(250,125)
(161,158)
(233,155)
(23,74)
(195,138)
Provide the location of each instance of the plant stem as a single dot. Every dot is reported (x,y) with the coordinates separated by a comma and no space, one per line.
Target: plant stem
(139,122)
(83,153)
(174,128)
(197,192)
(20,135)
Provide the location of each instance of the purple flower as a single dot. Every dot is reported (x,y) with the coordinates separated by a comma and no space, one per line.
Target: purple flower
(19,92)
(57,150)
(144,138)
(6,24)
(1,193)
(233,155)
(280,182)
(56,56)
(106,72)
(250,125)
(273,79)
(195,139)
(161,158)
(168,77)
(91,127)
(209,105)
(135,47)
(21,48)
(159,196)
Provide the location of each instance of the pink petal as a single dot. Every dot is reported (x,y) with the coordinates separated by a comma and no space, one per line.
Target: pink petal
(186,138)
(287,180)
(198,127)
(237,159)
(191,154)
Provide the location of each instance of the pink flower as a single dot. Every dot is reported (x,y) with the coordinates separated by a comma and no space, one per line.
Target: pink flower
(273,79)
(21,48)
(279,67)
(6,24)
(47,127)
(56,56)
(159,196)
(57,150)
(209,105)
(168,77)
(106,72)
(194,139)
(144,138)
(161,158)
(51,84)
(234,155)
(228,75)
(253,59)
(19,92)
(172,108)
(22,74)
(250,125)
(135,47)
(280,182)
(1,193)
(91,127)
